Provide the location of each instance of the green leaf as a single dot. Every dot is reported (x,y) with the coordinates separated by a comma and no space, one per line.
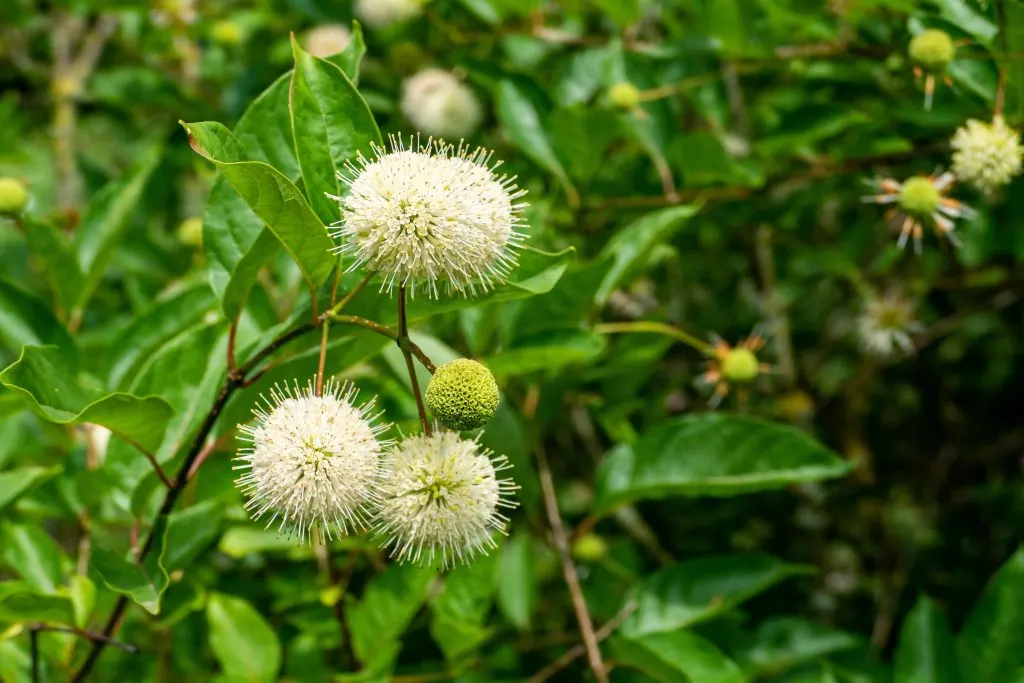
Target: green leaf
(712,454)
(349,59)
(32,554)
(27,321)
(783,642)
(271,196)
(20,602)
(523,124)
(926,652)
(548,351)
(331,124)
(105,221)
(991,643)
(460,612)
(235,241)
(57,255)
(517,582)
(961,14)
(701,589)
(17,482)
(630,247)
(244,643)
(1014,35)
(145,583)
(190,532)
(386,610)
(677,657)
(43,377)
(152,328)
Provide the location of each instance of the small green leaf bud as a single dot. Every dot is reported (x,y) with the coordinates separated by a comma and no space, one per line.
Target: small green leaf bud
(919,197)
(932,49)
(624,95)
(462,395)
(13,196)
(740,365)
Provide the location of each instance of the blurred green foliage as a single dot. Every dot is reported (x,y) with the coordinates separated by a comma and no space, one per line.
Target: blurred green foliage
(693,168)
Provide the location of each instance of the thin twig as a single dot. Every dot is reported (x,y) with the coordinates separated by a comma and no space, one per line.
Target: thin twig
(232,334)
(568,568)
(579,650)
(363,322)
(325,331)
(404,344)
(33,635)
(774,306)
(656,328)
(90,636)
(336,308)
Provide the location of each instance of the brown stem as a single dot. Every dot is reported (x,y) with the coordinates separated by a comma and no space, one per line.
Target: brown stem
(88,635)
(775,307)
(404,342)
(33,635)
(363,322)
(579,650)
(568,568)
(232,334)
(325,331)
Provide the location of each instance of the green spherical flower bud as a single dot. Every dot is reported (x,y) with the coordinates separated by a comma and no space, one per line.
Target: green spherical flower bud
(190,232)
(13,195)
(590,548)
(740,365)
(226,32)
(932,49)
(919,197)
(462,395)
(624,95)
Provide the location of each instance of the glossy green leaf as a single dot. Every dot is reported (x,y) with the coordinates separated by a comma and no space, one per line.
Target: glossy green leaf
(20,602)
(677,657)
(32,554)
(551,350)
(192,531)
(27,321)
(271,196)
(235,241)
(22,480)
(783,642)
(991,643)
(43,377)
(523,124)
(693,591)
(968,18)
(712,454)
(331,124)
(517,581)
(389,603)
(105,222)
(926,652)
(630,247)
(57,255)
(350,58)
(460,611)
(144,583)
(244,643)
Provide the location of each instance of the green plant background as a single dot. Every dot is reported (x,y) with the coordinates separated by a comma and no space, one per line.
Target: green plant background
(846,520)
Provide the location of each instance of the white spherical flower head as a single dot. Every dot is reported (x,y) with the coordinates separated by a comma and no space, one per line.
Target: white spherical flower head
(313,460)
(326,40)
(987,155)
(382,13)
(437,103)
(431,213)
(441,498)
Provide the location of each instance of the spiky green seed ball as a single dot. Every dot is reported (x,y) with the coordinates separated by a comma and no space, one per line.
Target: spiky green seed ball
(624,95)
(462,395)
(933,50)
(13,195)
(740,365)
(919,197)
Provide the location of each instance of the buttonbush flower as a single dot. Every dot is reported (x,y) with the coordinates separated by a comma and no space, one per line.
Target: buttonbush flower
(438,104)
(326,40)
(932,51)
(920,201)
(986,155)
(431,213)
(313,460)
(440,499)
(733,365)
(885,325)
(382,13)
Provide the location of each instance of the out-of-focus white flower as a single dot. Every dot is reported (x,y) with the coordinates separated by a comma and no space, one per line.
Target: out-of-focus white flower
(326,40)
(438,104)
(381,13)
(986,155)
(431,212)
(885,325)
(313,460)
(441,498)
(920,200)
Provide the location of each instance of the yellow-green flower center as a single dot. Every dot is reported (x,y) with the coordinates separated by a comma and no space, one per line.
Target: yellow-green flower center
(919,197)
(932,49)
(740,365)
